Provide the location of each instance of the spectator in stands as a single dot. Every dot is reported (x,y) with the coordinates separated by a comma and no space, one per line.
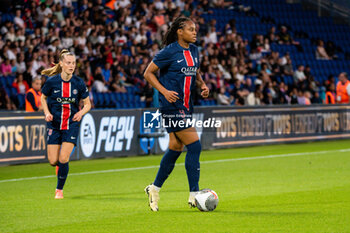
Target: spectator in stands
(98,84)
(294,96)
(28,19)
(284,36)
(254,98)
(11,34)
(270,94)
(321,53)
(107,73)
(266,46)
(18,19)
(222,98)
(331,94)
(284,59)
(271,35)
(283,93)
(316,99)
(288,68)
(248,85)
(251,70)
(331,50)
(20,63)
(307,72)
(21,85)
(307,97)
(43,12)
(33,97)
(238,93)
(6,68)
(257,42)
(343,89)
(301,97)
(13,66)
(203,28)
(299,75)
(118,83)
(238,72)
(265,69)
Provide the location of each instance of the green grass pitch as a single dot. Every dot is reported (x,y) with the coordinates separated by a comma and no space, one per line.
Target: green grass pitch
(276,188)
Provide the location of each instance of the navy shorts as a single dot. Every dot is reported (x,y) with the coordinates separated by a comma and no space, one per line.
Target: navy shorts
(56,136)
(176,120)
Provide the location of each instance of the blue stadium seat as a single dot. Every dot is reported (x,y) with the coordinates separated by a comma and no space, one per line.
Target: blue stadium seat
(100,100)
(107,100)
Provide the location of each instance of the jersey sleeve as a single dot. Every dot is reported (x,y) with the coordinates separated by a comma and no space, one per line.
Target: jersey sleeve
(163,58)
(83,90)
(46,89)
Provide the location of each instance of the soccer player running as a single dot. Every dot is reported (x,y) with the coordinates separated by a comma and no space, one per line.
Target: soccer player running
(60,99)
(178,63)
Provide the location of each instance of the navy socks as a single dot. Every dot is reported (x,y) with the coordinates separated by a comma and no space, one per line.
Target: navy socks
(166,166)
(192,165)
(62,174)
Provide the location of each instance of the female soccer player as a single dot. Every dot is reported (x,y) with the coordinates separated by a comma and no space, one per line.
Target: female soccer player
(178,63)
(60,99)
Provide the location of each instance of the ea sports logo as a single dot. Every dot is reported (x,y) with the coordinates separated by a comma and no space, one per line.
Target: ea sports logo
(87,135)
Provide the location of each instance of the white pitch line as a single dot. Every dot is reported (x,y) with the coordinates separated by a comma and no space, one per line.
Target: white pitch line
(179,164)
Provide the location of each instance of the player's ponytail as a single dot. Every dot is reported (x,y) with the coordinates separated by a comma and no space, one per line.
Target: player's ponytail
(171,35)
(56,69)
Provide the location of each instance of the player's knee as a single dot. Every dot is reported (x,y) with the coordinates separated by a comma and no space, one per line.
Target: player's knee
(53,162)
(176,146)
(64,160)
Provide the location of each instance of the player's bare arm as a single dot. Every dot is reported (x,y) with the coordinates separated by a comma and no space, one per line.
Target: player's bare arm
(48,115)
(200,83)
(84,110)
(150,76)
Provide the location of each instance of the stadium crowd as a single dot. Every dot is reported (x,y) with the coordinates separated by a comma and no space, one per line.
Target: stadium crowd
(115,41)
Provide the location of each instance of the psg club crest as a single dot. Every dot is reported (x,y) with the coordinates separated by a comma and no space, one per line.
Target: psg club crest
(49,132)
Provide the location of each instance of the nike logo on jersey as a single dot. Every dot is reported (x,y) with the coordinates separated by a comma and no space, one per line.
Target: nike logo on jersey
(72,138)
(56,91)
(178,61)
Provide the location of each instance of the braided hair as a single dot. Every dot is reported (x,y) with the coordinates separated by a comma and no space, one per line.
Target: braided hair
(171,35)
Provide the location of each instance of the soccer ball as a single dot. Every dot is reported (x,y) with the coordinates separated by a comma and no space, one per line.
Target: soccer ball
(207,200)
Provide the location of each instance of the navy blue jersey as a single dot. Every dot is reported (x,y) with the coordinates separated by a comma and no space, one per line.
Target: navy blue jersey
(178,69)
(63,100)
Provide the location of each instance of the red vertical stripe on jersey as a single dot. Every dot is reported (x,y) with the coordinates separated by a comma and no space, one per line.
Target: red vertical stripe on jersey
(187,86)
(188,58)
(65,107)
(188,80)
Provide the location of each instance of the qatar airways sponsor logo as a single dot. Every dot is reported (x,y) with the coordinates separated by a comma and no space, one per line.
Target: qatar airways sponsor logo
(65,100)
(189,71)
